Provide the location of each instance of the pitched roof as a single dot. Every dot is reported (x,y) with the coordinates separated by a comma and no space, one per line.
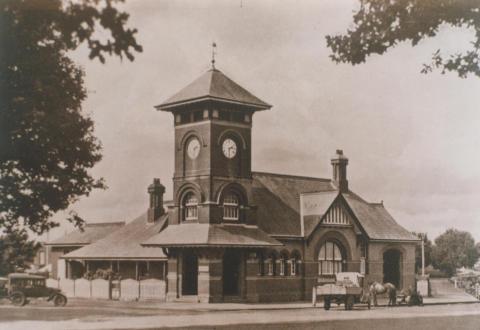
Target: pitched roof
(204,234)
(376,221)
(278,199)
(213,85)
(124,243)
(91,233)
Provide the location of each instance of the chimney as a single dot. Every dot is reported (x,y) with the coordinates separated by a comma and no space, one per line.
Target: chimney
(339,164)
(155,210)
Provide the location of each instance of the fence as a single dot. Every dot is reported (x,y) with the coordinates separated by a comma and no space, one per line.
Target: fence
(127,289)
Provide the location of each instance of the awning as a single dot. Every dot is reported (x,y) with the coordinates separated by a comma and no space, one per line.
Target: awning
(224,235)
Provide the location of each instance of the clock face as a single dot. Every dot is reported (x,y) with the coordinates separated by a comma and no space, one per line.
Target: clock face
(193,148)
(229,148)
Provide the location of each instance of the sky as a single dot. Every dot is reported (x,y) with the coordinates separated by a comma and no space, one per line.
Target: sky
(412,140)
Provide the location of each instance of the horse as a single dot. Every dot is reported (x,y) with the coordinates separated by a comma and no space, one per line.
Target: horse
(379,288)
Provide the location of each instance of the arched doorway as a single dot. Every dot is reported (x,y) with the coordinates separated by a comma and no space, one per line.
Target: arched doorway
(231,273)
(391,267)
(190,274)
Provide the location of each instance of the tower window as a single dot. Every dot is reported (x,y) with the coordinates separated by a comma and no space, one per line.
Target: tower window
(231,207)
(198,115)
(185,117)
(190,207)
(224,115)
(238,116)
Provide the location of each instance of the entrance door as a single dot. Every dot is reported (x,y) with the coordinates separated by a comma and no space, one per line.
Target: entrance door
(231,273)
(391,267)
(190,275)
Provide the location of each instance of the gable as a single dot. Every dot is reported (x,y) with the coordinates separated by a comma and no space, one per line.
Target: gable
(337,215)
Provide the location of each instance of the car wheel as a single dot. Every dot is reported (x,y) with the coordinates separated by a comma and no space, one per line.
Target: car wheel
(60,300)
(18,298)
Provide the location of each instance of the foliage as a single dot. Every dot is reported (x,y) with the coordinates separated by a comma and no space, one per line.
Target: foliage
(47,146)
(454,249)
(418,251)
(16,251)
(100,273)
(379,25)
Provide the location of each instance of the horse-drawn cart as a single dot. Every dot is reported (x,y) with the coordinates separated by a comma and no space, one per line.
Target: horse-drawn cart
(347,290)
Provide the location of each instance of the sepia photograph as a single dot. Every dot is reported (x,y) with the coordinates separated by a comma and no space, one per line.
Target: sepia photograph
(240,164)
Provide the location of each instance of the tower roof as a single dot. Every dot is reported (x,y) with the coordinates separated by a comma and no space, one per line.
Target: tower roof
(213,85)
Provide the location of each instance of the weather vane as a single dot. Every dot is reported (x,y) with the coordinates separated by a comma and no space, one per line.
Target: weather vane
(214,45)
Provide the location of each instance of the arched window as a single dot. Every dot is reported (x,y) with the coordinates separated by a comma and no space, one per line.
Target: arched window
(231,207)
(294,263)
(283,271)
(330,259)
(270,264)
(190,207)
(261,264)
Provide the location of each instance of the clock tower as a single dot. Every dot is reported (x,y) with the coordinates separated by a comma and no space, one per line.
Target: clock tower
(213,123)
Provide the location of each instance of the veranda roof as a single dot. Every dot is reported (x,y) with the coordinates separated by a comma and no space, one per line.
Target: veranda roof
(202,234)
(125,243)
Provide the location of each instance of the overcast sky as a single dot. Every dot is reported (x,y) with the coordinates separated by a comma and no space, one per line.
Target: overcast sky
(413,140)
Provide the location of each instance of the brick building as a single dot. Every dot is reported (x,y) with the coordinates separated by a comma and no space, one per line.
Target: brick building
(231,234)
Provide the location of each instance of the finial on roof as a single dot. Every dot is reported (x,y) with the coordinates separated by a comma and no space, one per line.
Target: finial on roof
(214,45)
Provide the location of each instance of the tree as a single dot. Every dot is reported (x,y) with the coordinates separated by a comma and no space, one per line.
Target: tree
(418,251)
(16,251)
(379,25)
(454,249)
(47,145)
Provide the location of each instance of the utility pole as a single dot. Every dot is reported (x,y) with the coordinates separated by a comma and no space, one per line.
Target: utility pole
(423,254)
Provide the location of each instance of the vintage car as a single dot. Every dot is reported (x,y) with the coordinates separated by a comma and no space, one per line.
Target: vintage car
(18,287)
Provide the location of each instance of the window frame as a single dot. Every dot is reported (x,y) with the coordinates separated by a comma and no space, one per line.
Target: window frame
(330,263)
(231,209)
(190,206)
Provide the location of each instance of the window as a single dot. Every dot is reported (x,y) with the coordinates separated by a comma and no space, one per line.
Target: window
(231,207)
(185,117)
(261,262)
(198,115)
(190,207)
(330,259)
(293,266)
(224,115)
(271,266)
(283,264)
(238,116)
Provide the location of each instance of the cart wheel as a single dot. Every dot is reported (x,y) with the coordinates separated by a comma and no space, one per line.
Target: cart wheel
(18,299)
(349,300)
(60,300)
(326,303)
